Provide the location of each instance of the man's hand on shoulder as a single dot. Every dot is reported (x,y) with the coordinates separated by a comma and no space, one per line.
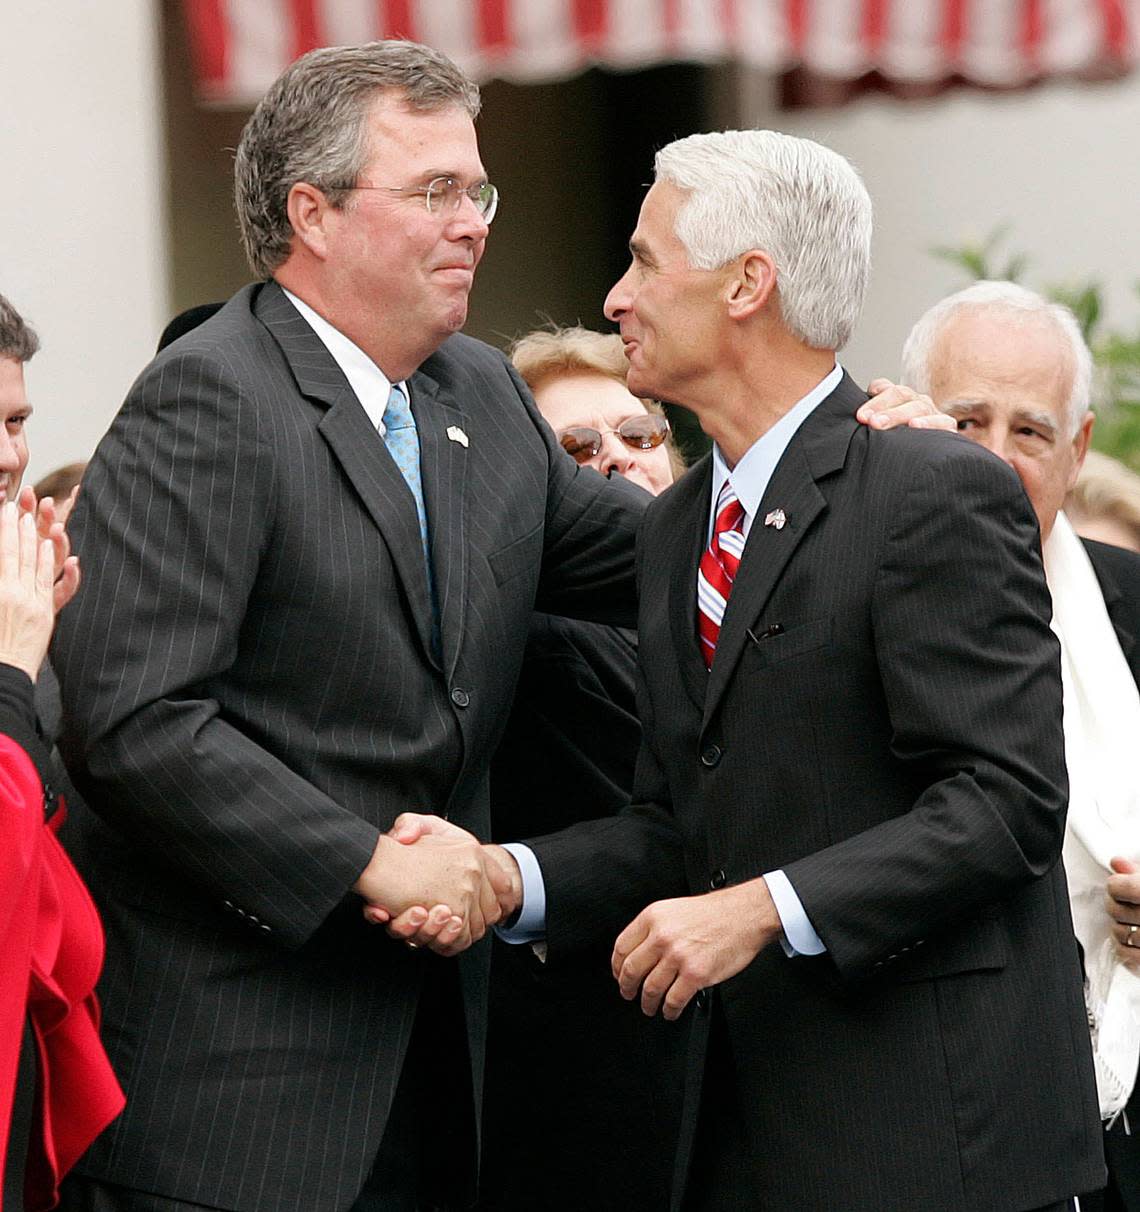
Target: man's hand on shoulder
(893,404)
(675,948)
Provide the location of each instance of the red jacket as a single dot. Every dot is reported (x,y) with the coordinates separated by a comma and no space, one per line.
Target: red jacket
(51,951)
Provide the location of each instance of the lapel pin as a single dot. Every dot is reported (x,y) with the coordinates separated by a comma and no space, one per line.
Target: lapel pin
(777,518)
(455,434)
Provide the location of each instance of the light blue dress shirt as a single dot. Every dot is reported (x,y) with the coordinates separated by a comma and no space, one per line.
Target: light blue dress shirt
(749,479)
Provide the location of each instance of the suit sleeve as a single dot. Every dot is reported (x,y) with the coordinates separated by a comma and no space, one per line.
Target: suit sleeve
(177,507)
(971,674)
(600,874)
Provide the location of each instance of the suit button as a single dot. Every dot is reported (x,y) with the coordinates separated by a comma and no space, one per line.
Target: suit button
(710,756)
(460,697)
(718,879)
(229,906)
(702,999)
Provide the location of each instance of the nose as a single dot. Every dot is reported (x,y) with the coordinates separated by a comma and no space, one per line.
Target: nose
(614,456)
(617,301)
(467,222)
(10,453)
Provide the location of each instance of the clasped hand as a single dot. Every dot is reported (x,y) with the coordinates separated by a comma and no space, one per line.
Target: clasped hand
(1122,904)
(675,948)
(433,884)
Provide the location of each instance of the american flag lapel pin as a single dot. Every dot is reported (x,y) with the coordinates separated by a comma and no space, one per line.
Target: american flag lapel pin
(455,434)
(777,518)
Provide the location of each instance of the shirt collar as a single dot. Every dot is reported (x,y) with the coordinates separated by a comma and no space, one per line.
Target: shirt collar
(369,383)
(750,476)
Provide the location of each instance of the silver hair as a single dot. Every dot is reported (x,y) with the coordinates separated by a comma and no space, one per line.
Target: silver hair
(312,126)
(1008,297)
(798,201)
(18,340)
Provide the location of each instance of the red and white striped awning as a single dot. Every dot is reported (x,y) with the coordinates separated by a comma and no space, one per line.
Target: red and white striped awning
(242,45)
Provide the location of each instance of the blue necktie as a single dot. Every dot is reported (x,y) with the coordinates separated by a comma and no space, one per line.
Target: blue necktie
(404,446)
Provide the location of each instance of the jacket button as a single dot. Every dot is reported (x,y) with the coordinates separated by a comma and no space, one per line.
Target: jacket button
(702,999)
(460,697)
(710,756)
(718,879)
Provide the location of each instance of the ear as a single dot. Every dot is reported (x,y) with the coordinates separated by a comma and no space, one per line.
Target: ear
(1080,449)
(750,284)
(308,210)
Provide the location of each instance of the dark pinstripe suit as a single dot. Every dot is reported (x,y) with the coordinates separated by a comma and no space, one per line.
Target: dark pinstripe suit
(250,697)
(896,748)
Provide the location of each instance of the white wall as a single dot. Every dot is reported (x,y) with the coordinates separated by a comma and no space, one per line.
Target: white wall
(1061,164)
(82,237)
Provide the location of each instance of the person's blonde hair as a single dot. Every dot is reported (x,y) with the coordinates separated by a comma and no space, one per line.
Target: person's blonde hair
(548,353)
(1106,488)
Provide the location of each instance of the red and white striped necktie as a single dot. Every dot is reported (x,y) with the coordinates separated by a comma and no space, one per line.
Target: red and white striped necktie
(718,568)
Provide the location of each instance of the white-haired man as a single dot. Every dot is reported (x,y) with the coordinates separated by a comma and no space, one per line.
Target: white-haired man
(853,747)
(1013,369)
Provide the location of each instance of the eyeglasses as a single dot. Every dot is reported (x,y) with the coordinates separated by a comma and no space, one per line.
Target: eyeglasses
(443,195)
(582,442)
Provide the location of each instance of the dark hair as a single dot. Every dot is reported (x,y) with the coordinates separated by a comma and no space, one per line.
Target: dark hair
(17,340)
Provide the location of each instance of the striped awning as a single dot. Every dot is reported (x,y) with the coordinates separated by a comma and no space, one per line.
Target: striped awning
(242,45)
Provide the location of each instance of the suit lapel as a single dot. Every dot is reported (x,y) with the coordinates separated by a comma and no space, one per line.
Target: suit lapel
(443,463)
(358,448)
(689,504)
(1114,603)
(816,451)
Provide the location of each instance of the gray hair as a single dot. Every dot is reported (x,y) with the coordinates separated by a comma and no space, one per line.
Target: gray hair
(17,339)
(800,202)
(1008,297)
(312,126)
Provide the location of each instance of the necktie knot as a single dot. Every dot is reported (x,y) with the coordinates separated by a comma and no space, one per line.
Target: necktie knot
(398,412)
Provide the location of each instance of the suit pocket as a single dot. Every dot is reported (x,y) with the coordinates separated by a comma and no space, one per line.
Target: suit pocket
(773,643)
(523,555)
(979,945)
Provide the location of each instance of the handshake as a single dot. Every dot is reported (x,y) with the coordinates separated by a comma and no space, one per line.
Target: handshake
(432,884)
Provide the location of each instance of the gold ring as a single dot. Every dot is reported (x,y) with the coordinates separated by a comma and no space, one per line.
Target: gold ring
(410,944)
(1131,933)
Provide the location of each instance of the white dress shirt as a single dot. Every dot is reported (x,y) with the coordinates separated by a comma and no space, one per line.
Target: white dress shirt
(749,479)
(371,385)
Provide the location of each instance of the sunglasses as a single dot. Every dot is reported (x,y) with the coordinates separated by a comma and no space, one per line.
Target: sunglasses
(582,442)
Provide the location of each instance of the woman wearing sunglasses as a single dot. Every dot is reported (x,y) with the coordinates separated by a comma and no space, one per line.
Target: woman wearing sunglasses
(582,1091)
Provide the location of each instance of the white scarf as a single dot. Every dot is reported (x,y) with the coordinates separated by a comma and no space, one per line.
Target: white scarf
(1102,734)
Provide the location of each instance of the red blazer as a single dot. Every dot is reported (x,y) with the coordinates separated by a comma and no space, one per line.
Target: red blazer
(51,951)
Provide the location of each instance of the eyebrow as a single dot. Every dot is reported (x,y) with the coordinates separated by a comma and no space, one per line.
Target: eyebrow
(958,408)
(955,408)
(640,251)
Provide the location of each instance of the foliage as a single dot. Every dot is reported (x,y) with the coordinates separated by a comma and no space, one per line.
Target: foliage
(1116,353)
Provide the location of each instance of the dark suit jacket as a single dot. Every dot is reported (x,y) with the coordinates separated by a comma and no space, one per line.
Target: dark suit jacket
(1118,572)
(895,746)
(582,1096)
(250,697)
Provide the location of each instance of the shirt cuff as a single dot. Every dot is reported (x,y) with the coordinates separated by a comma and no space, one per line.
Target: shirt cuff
(530,925)
(800,937)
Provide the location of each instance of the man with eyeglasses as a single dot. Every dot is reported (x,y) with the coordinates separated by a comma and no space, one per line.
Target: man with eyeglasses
(311,573)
